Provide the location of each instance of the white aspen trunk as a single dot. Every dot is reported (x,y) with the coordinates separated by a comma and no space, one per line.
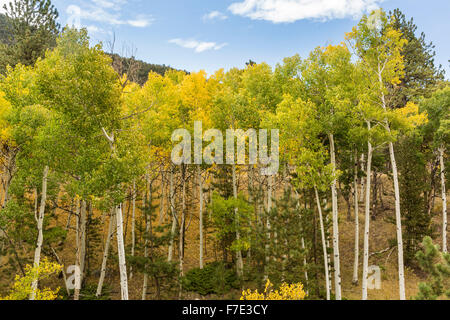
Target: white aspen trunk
(174,220)
(444,200)
(239,262)
(40,225)
(182,230)
(398,217)
(362,179)
(121,254)
(268,225)
(133,225)
(82,234)
(109,236)
(76,293)
(324,244)
(148,223)
(367,220)
(162,214)
(334,198)
(356,208)
(200,187)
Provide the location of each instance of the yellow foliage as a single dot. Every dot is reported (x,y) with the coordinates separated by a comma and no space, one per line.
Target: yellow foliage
(22,289)
(285,292)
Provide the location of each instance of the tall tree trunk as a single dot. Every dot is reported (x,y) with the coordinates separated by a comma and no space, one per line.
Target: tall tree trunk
(367,219)
(239,262)
(363,159)
(444,200)
(133,225)
(398,217)
(109,237)
(162,213)
(121,254)
(182,227)
(334,198)
(356,208)
(324,244)
(200,190)
(174,218)
(40,226)
(148,231)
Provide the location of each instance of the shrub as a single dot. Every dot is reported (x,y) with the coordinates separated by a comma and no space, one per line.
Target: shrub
(214,278)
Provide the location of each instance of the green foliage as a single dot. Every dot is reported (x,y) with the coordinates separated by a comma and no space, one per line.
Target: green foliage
(421,73)
(437,266)
(225,222)
(32,30)
(214,278)
(413,182)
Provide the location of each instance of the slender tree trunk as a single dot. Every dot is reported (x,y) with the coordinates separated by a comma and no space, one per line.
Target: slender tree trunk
(121,254)
(334,198)
(162,213)
(444,200)
(174,219)
(367,220)
(82,252)
(356,207)
(40,226)
(362,178)
(398,217)
(133,225)
(200,190)
(182,228)
(148,232)
(324,244)
(239,262)
(109,237)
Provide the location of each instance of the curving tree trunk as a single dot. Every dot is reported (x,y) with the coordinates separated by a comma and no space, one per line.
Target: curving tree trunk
(324,243)
(109,236)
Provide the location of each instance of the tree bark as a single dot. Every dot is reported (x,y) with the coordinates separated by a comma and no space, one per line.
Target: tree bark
(109,236)
(200,190)
(444,200)
(334,198)
(356,208)
(239,262)
(174,218)
(40,226)
(121,254)
(367,220)
(133,225)
(324,244)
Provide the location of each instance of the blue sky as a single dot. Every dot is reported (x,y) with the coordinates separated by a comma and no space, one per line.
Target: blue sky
(214,34)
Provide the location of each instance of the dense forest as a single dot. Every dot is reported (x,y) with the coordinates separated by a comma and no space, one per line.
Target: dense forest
(92,205)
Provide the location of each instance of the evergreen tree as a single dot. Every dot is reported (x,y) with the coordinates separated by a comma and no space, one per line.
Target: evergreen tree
(32,30)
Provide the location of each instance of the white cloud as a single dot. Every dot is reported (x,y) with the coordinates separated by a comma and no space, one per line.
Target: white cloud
(106,12)
(214,15)
(278,11)
(198,46)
